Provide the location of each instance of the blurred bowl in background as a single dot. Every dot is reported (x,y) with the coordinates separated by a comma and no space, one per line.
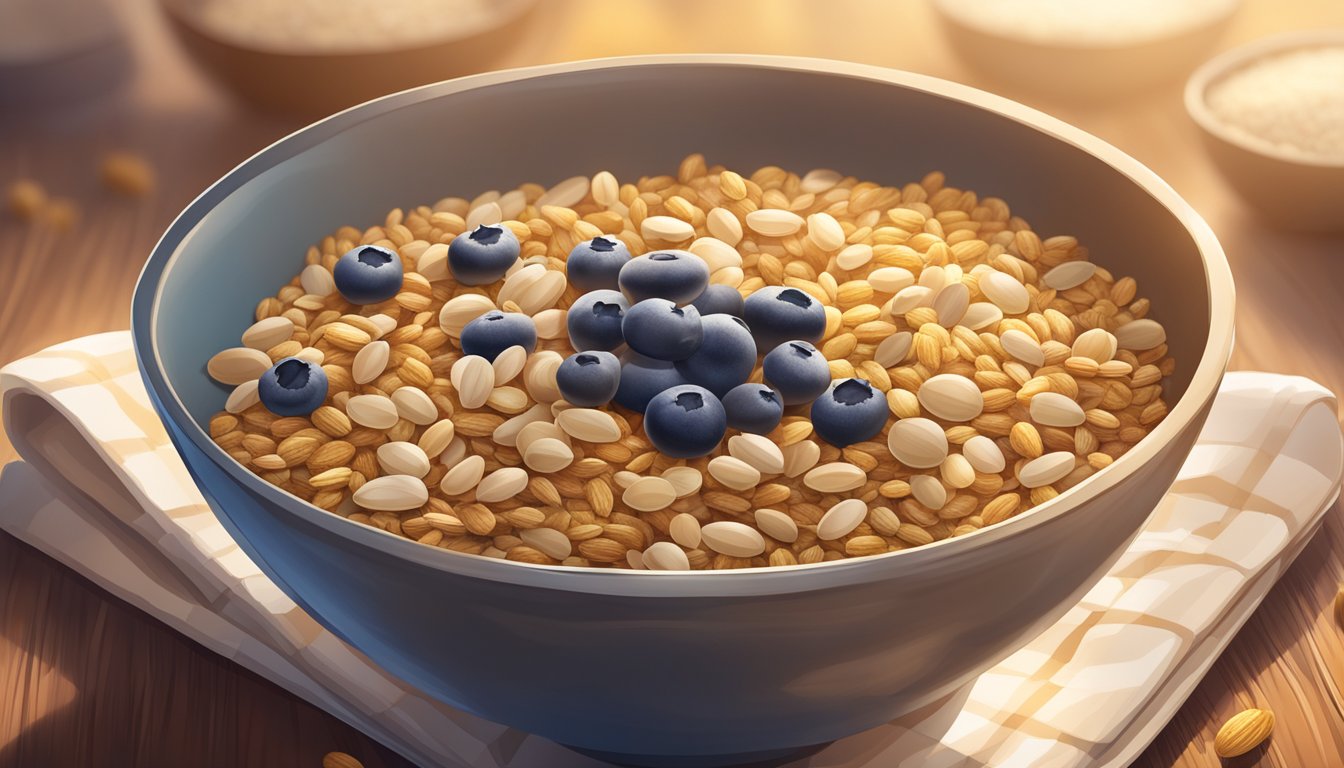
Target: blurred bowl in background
(1292,189)
(1084,51)
(319,74)
(55,52)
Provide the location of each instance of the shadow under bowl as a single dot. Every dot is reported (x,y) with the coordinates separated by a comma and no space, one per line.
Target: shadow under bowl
(679,668)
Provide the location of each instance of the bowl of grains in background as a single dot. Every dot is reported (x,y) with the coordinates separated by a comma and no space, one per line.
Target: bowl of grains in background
(1010,379)
(1271,114)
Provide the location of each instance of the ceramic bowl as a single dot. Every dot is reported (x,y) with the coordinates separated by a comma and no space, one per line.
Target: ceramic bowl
(1289,189)
(697,668)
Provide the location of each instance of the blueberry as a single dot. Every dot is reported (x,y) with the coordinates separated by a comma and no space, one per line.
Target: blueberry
(678,276)
(776,314)
(753,408)
(659,329)
(483,255)
(368,274)
(589,379)
(726,356)
(594,320)
(293,387)
(851,411)
(594,265)
(496,331)
(642,378)
(719,300)
(685,422)
(797,371)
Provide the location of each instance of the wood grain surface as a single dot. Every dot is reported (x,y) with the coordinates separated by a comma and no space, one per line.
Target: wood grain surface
(87,681)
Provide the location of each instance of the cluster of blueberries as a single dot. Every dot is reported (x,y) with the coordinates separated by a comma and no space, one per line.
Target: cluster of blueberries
(653,335)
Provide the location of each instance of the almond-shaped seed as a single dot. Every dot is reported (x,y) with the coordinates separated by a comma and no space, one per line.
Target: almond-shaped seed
(1005,291)
(509,400)
(891,279)
(435,440)
(402,458)
(550,542)
(392,493)
(909,298)
(667,228)
(1052,409)
(1096,344)
(312,355)
(589,425)
(317,280)
(242,397)
(758,451)
(774,222)
(665,556)
(1023,347)
(515,432)
(841,519)
(835,477)
(565,194)
(984,455)
(951,304)
(415,406)
(383,324)
(649,494)
(734,473)
(957,471)
(685,530)
(463,476)
(373,411)
(474,379)
(800,457)
(1046,469)
(733,539)
(544,293)
(723,225)
(460,310)
(918,443)
(548,455)
(825,232)
(855,256)
(1140,335)
(539,376)
(1070,274)
(715,253)
(519,282)
(550,324)
(268,332)
(370,361)
(504,483)
(928,491)
(981,315)
(1243,732)
(433,263)
(686,480)
(237,365)
(951,397)
(777,525)
(893,350)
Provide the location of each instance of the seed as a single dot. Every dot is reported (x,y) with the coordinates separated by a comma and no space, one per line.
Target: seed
(951,304)
(715,253)
(825,232)
(891,279)
(733,539)
(1140,335)
(893,350)
(415,406)
(1097,344)
(548,455)
(1023,347)
(1007,293)
(1070,274)
(665,556)
(501,484)
(957,471)
(508,364)
(373,411)
(951,397)
(1243,732)
(242,397)
(841,519)
(436,439)
(685,530)
(734,473)
(370,361)
(543,293)
(392,493)
(336,477)
(685,480)
(238,365)
(917,443)
(758,451)
(459,311)
(268,332)
(402,458)
(928,491)
(723,225)
(1052,409)
(913,534)
(984,455)
(910,298)
(340,760)
(474,379)
(1047,469)
(649,494)
(777,525)
(773,222)
(549,541)
(668,228)
(835,477)
(510,400)
(1000,508)
(589,425)
(463,476)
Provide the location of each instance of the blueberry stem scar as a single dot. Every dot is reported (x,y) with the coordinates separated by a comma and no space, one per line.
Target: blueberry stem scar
(795,297)
(800,349)
(373,257)
(663,256)
(852,392)
(587,360)
(603,244)
(690,401)
(292,374)
(606,309)
(486,235)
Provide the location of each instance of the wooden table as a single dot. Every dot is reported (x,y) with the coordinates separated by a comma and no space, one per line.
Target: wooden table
(85,680)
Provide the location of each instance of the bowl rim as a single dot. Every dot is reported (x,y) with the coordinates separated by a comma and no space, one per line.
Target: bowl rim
(687,584)
(1234,59)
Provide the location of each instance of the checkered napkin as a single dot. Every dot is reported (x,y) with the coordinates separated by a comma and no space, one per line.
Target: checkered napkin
(105,493)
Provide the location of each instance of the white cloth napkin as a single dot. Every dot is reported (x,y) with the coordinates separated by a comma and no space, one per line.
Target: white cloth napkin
(105,493)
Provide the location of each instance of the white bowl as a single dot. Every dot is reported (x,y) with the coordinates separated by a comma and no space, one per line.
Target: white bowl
(1289,189)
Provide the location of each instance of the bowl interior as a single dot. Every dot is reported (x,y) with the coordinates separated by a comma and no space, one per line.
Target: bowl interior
(494,132)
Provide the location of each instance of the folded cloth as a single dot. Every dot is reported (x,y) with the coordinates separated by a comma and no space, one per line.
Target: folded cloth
(105,493)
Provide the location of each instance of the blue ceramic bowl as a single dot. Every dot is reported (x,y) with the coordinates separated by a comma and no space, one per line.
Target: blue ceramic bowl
(700,668)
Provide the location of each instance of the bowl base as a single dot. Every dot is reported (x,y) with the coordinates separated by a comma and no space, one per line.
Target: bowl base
(764,759)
